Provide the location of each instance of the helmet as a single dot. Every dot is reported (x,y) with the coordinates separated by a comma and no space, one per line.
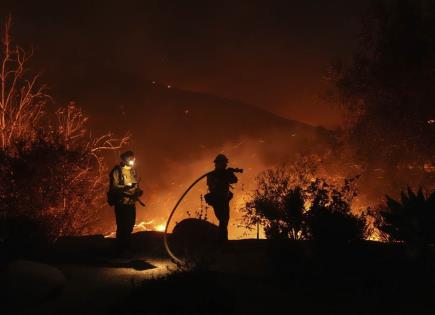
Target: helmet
(126,155)
(220,158)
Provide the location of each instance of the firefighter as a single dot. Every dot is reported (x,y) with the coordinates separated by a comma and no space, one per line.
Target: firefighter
(219,183)
(123,195)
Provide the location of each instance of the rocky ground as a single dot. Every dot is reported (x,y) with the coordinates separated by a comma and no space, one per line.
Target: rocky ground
(79,276)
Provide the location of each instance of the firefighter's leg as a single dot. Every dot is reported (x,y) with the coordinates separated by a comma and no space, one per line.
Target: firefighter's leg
(121,226)
(225,218)
(222,212)
(131,220)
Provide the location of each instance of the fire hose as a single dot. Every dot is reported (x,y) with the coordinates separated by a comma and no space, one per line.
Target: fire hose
(165,237)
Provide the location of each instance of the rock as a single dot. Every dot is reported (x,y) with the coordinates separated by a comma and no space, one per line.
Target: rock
(194,237)
(30,283)
(196,230)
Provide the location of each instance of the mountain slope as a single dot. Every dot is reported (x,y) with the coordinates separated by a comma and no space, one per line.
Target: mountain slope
(176,134)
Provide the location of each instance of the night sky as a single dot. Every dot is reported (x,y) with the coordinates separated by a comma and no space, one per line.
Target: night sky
(271,54)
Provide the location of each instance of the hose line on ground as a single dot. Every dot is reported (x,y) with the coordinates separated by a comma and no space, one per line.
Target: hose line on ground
(165,237)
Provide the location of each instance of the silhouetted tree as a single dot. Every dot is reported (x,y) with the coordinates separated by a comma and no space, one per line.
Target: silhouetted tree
(412,219)
(329,217)
(58,180)
(387,93)
(22,97)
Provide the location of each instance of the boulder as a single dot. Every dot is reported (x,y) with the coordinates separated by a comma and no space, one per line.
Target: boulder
(194,237)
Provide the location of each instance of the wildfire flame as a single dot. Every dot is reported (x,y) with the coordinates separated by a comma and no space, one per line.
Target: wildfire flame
(160,227)
(143,226)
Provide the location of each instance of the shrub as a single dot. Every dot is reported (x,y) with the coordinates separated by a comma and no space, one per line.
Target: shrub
(278,202)
(57,180)
(53,174)
(329,216)
(314,209)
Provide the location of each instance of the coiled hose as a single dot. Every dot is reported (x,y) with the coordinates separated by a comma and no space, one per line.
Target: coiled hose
(165,237)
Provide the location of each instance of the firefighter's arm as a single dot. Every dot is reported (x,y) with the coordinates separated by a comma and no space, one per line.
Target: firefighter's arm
(115,183)
(232,179)
(138,192)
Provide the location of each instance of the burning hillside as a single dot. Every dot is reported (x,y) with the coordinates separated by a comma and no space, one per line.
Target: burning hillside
(176,135)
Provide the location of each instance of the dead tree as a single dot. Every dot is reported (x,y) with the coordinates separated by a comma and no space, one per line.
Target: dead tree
(22,98)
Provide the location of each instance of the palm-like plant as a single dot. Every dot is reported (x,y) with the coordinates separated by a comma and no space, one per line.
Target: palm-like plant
(412,219)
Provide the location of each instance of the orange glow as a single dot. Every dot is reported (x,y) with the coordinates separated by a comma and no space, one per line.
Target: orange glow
(160,227)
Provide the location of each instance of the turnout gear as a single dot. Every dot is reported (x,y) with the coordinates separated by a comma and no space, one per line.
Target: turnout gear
(219,183)
(123,194)
(123,186)
(125,216)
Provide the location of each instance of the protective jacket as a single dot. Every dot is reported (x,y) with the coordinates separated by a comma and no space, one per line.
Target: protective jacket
(219,183)
(123,186)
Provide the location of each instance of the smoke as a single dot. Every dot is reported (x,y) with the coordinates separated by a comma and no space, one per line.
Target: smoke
(244,154)
(176,135)
(253,154)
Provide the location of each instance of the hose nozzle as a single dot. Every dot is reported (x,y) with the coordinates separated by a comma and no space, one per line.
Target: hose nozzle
(235,170)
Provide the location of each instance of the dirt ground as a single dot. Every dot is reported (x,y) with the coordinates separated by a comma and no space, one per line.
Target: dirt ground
(95,289)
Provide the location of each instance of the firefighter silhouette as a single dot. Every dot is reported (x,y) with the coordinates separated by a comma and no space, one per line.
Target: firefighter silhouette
(219,184)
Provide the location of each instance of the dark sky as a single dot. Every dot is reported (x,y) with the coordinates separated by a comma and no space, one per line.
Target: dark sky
(271,54)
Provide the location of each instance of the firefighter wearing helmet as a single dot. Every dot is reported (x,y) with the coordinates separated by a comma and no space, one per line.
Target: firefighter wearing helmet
(219,184)
(123,195)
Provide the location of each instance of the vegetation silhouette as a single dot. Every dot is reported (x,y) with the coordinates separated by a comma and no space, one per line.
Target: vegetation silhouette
(318,210)
(329,215)
(386,91)
(410,220)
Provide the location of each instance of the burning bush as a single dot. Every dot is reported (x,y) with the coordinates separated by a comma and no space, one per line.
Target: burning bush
(411,220)
(288,204)
(56,182)
(53,174)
